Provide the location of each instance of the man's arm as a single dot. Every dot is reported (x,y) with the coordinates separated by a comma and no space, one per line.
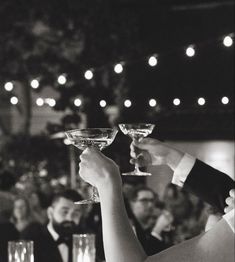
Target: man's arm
(195,176)
(209,184)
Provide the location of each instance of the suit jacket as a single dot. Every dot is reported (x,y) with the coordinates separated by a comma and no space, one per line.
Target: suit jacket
(45,247)
(209,184)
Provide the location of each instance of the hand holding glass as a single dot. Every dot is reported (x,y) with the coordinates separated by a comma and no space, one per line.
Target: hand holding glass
(137,132)
(98,137)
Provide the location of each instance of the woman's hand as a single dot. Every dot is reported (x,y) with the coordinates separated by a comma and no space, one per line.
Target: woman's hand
(98,170)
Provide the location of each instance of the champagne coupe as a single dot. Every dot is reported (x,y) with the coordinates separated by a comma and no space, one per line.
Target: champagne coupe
(97,137)
(136,132)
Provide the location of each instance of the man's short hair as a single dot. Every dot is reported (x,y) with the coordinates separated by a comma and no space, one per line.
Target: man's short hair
(69,194)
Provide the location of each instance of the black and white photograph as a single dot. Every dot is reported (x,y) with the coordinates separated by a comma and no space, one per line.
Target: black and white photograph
(117,131)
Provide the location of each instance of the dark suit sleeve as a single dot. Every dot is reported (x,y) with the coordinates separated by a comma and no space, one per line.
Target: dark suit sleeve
(209,184)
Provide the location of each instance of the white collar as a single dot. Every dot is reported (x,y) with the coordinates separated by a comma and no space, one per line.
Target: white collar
(52,231)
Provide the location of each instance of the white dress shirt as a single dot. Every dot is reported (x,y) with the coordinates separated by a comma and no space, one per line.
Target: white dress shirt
(63,248)
(180,175)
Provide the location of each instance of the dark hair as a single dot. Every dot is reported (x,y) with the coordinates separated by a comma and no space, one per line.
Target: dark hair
(69,194)
(134,194)
(26,201)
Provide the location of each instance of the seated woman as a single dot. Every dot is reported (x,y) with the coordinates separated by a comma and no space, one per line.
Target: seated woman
(120,243)
(22,217)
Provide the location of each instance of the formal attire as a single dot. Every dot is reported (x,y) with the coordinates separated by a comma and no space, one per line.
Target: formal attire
(48,246)
(207,183)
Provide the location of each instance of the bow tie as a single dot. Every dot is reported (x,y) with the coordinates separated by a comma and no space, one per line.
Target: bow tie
(64,240)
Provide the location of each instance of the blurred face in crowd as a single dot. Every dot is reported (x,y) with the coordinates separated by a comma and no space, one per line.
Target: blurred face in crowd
(34,200)
(143,205)
(64,216)
(21,209)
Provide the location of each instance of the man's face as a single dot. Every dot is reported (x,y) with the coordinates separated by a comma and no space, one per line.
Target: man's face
(143,205)
(64,216)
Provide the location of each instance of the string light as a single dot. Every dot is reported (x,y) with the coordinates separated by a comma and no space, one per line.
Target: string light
(88,75)
(190,51)
(176,102)
(225,100)
(14,100)
(77,102)
(228,41)
(34,83)
(152,102)
(127,103)
(9,86)
(50,101)
(40,101)
(152,60)
(118,68)
(61,79)
(103,103)
(201,101)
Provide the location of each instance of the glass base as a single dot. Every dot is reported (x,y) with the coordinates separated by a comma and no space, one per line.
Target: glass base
(136,173)
(87,201)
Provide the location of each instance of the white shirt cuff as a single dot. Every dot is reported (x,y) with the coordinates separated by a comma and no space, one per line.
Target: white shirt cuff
(229,218)
(183,169)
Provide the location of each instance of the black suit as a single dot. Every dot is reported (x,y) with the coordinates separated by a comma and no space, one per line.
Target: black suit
(45,247)
(209,184)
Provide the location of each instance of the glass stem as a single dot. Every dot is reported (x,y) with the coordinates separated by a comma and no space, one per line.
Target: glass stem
(137,170)
(95,194)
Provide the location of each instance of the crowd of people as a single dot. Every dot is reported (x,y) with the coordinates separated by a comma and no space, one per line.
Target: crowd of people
(132,223)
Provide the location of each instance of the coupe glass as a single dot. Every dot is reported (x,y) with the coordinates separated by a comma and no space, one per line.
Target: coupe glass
(137,132)
(98,137)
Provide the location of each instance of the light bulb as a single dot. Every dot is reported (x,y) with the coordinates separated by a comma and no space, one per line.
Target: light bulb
(34,83)
(152,61)
(77,102)
(14,100)
(127,103)
(9,86)
(176,101)
(228,41)
(103,103)
(190,51)
(118,68)
(201,101)
(225,100)
(88,75)
(152,102)
(61,79)
(40,101)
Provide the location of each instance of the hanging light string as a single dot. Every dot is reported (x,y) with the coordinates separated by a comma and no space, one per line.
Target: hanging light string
(118,67)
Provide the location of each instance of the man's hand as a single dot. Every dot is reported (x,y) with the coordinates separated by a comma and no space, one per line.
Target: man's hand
(230,201)
(150,151)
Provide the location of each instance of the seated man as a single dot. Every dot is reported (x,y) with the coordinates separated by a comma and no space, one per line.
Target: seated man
(53,242)
(142,202)
(215,245)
